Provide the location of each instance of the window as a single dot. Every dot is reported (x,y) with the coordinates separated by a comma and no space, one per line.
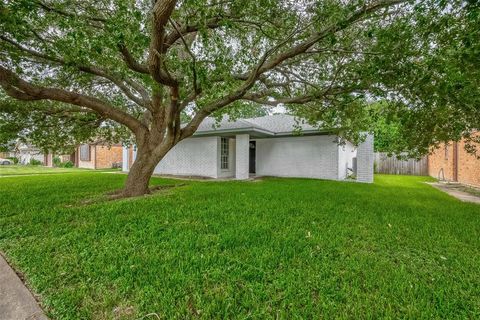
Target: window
(84,152)
(446,151)
(224,153)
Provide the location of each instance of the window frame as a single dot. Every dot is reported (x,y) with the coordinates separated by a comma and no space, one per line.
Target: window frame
(84,148)
(224,153)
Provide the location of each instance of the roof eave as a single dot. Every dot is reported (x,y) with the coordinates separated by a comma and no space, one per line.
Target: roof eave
(250,130)
(256,132)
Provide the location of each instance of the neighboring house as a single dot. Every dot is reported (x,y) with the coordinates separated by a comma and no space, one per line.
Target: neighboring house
(452,162)
(264,146)
(7,154)
(97,156)
(26,152)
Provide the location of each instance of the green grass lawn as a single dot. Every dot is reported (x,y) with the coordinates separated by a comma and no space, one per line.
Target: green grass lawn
(277,248)
(9,170)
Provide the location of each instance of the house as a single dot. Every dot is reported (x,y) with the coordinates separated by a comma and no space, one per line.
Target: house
(91,156)
(98,156)
(451,162)
(264,146)
(26,153)
(7,154)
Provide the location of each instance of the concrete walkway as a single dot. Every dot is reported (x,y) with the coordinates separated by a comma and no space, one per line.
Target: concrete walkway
(455,190)
(16,301)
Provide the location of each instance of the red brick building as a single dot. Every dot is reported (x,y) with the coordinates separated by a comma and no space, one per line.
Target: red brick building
(451,162)
(97,156)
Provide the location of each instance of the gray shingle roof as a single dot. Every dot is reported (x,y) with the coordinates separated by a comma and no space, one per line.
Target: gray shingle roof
(210,124)
(280,123)
(271,125)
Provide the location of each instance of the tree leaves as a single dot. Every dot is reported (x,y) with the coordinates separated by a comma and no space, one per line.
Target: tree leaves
(421,55)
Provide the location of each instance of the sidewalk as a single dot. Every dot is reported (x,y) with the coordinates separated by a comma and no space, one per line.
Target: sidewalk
(16,301)
(455,190)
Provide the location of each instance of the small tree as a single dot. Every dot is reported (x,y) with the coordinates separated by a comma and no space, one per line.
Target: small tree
(146,64)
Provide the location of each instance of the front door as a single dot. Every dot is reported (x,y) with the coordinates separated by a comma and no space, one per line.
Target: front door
(252,148)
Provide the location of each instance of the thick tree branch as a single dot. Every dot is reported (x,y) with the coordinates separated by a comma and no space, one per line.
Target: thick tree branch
(117,80)
(277,101)
(20,89)
(178,33)
(267,97)
(96,22)
(212,23)
(162,10)
(192,126)
(266,64)
(307,44)
(196,89)
(131,62)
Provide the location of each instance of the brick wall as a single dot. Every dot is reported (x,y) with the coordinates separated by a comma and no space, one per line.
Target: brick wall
(242,156)
(365,160)
(310,157)
(101,157)
(306,156)
(90,164)
(107,156)
(443,161)
(468,166)
(191,157)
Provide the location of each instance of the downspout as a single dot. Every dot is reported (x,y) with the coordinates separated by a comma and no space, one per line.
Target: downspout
(455,161)
(77,157)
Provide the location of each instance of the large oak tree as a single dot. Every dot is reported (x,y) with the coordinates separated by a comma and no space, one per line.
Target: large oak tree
(147,64)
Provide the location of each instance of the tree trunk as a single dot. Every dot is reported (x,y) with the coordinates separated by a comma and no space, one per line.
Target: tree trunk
(140,173)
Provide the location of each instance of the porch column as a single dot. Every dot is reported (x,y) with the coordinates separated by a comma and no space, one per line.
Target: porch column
(125,159)
(242,152)
(365,159)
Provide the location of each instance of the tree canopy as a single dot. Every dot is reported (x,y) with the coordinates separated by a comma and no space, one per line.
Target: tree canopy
(160,67)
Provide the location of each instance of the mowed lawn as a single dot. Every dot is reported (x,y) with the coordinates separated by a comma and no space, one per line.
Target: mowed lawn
(275,248)
(8,170)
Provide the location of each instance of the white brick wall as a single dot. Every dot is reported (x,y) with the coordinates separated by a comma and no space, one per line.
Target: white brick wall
(242,154)
(365,159)
(191,157)
(307,156)
(310,157)
(26,156)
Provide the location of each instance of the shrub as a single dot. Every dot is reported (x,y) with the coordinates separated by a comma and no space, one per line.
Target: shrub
(35,162)
(57,162)
(14,160)
(67,164)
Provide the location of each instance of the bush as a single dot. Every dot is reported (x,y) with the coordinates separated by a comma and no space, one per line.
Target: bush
(35,162)
(68,164)
(57,162)
(14,160)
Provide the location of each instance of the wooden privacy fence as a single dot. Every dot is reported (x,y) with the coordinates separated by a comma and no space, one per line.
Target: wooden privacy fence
(392,165)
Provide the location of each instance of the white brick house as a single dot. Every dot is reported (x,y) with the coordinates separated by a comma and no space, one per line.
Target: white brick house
(264,146)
